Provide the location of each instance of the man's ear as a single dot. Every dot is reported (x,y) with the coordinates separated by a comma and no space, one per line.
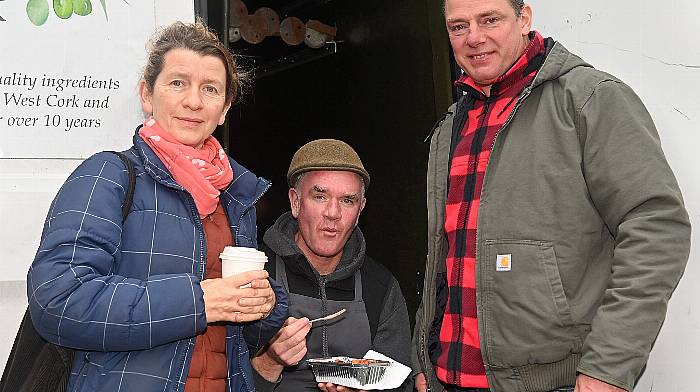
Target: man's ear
(294,202)
(362,207)
(146,96)
(526,20)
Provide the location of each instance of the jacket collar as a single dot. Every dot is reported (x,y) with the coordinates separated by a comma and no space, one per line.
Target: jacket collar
(529,62)
(558,62)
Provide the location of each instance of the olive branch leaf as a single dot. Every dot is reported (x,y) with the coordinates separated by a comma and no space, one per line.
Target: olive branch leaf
(104,8)
(38,10)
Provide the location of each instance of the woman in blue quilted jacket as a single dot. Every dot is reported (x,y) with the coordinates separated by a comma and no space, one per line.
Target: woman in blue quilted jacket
(141,298)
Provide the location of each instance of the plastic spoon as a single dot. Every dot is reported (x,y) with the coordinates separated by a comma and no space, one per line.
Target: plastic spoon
(330,316)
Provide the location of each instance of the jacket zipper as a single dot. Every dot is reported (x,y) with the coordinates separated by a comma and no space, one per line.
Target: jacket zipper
(324,308)
(183,357)
(423,331)
(200,273)
(202,240)
(203,247)
(235,239)
(198,221)
(481,131)
(249,206)
(423,357)
(523,96)
(426,323)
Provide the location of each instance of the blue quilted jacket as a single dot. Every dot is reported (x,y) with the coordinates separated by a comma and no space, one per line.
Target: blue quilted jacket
(127,294)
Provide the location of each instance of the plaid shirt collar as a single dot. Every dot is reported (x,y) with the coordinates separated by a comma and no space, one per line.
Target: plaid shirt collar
(528,62)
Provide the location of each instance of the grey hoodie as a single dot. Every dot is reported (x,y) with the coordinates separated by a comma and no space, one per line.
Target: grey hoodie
(381,292)
(280,239)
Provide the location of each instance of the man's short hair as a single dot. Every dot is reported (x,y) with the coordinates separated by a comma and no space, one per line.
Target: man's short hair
(516,4)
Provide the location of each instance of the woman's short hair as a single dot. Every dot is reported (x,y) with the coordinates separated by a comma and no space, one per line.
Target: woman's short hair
(198,38)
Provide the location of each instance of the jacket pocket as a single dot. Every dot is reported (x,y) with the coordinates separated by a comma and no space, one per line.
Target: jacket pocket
(526,316)
(78,372)
(98,366)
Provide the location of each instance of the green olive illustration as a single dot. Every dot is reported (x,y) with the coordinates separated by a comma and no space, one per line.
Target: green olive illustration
(82,7)
(38,11)
(63,8)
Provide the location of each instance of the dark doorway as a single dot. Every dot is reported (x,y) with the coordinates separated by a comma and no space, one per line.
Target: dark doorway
(380,92)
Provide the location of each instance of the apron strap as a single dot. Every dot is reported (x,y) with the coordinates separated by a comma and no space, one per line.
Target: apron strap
(281,272)
(281,276)
(358,286)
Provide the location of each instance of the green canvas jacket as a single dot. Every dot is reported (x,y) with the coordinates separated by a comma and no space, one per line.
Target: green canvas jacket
(579,194)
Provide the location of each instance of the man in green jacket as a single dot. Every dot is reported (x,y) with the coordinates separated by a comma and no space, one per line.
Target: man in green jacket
(556,229)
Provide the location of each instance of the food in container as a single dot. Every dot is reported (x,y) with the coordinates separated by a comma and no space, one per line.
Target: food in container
(342,370)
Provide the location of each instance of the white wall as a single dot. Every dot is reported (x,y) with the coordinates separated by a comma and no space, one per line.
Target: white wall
(35,160)
(653,47)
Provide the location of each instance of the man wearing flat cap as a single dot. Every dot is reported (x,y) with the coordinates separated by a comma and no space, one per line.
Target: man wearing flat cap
(318,253)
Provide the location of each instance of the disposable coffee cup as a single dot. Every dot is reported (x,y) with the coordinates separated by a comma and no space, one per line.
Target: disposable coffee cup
(238,259)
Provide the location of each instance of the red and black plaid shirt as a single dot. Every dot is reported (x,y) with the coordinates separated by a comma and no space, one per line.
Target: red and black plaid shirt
(459,355)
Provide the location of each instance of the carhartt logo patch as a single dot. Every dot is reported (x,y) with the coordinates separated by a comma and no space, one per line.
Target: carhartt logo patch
(503,262)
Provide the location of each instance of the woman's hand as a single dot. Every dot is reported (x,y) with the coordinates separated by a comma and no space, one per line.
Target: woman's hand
(225,300)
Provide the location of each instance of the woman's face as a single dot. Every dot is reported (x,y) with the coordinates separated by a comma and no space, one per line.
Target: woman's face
(189,96)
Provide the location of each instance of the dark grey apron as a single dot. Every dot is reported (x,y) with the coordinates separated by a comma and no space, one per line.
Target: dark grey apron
(346,335)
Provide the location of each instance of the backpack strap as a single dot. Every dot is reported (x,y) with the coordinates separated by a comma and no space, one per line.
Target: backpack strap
(129,199)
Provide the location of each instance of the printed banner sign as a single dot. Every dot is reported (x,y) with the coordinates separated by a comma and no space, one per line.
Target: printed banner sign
(69,74)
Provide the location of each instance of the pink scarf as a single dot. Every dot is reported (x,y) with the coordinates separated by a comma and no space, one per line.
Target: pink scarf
(202,172)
